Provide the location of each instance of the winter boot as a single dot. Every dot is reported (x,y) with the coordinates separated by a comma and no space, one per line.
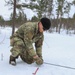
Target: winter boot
(12,60)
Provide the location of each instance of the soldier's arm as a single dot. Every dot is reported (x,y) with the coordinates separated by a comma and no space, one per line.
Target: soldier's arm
(38,46)
(28,35)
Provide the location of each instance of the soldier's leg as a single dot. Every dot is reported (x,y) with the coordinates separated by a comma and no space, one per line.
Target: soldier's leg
(26,57)
(16,50)
(14,55)
(29,59)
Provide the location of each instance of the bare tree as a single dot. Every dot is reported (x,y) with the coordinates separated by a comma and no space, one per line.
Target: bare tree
(60,5)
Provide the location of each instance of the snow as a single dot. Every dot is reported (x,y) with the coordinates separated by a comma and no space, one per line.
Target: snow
(57,49)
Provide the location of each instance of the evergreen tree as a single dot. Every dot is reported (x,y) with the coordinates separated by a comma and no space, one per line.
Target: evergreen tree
(42,7)
(1,19)
(34,19)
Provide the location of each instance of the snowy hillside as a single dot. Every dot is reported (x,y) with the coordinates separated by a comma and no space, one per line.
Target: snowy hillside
(57,49)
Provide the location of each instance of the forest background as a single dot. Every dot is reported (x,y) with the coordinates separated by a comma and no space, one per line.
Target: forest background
(58,11)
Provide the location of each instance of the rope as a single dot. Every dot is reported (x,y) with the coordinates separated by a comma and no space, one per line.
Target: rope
(68,67)
(46,44)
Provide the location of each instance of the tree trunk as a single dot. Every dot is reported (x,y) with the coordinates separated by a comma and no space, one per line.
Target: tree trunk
(14,14)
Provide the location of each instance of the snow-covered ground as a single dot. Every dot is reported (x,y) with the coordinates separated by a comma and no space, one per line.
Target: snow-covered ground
(57,49)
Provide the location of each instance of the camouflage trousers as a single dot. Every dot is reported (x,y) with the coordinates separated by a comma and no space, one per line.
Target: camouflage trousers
(19,49)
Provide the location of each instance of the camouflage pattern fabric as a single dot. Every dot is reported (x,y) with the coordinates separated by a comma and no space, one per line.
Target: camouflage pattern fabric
(22,42)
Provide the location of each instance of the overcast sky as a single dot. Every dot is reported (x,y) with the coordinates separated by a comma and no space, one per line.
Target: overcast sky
(5,12)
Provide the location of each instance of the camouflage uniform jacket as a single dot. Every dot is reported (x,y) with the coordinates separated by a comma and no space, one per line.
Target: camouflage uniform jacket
(29,33)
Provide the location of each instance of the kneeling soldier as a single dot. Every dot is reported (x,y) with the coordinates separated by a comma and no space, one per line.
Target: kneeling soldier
(23,39)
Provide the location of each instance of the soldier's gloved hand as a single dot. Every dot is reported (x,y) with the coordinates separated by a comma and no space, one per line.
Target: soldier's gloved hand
(38,60)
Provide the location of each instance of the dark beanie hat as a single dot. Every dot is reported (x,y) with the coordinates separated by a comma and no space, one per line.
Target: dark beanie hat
(46,23)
